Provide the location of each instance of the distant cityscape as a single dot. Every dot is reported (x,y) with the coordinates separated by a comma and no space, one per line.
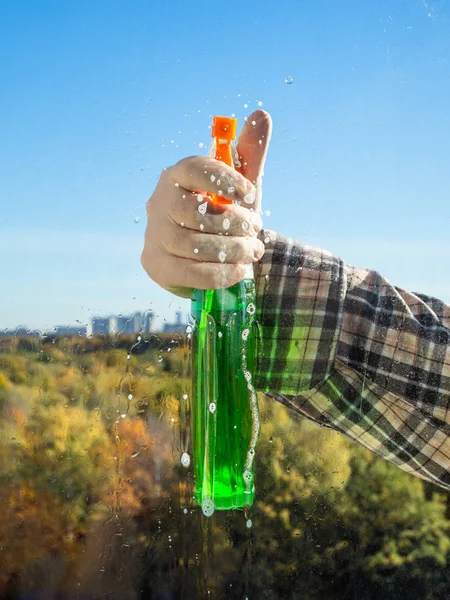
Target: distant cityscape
(110,325)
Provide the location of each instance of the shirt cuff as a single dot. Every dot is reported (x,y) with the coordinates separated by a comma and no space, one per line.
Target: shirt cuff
(300,293)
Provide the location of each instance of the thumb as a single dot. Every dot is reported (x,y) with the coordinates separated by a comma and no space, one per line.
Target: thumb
(252,148)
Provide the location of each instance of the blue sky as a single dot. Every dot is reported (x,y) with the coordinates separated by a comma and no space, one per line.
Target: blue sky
(98,97)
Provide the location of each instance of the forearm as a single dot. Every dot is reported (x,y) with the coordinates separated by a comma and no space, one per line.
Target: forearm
(361,356)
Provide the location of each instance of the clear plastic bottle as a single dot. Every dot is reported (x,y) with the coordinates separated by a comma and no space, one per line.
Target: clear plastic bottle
(225,419)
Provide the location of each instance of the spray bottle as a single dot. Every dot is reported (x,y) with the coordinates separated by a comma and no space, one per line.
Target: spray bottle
(225,419)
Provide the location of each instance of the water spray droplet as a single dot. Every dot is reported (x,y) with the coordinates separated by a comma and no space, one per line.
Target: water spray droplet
(185,459)
(207,507)
(288,79)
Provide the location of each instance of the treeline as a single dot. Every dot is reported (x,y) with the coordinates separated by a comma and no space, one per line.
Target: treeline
(95,503)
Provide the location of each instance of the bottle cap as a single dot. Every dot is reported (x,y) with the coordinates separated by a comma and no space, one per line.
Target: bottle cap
(224,128)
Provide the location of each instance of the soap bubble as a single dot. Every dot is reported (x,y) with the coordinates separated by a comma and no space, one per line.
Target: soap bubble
(247,476)
(251,309)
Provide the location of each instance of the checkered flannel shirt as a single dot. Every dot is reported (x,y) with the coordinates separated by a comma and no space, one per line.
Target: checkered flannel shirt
(345,348)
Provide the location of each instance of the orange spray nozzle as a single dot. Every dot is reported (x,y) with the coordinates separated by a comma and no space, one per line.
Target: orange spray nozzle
(224,132)
(224,128)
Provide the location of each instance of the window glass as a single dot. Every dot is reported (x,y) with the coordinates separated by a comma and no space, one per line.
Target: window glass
(96,476)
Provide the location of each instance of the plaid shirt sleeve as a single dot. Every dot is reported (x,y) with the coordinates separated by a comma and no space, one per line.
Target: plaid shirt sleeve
(345,348)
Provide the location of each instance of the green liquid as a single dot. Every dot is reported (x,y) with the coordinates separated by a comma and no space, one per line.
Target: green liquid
(225,421)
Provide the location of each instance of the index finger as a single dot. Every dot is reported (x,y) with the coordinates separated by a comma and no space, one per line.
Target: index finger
(210,175)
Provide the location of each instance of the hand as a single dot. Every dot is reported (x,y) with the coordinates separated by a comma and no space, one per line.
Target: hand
(191,242)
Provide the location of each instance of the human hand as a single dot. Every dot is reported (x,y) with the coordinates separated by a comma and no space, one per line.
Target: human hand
(191,242)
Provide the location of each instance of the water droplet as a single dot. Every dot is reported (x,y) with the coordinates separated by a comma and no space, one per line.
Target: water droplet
(185,396)
(177,184)
(195,250)
(130,396)
(128,357)
(249,523)
(222,256)
(259,103)
(253,123)
(136,219)
(201,145)
(185,511)
(188,330)
(219,192)
(251,309)
(123,415)
(260,142)
(202,227)
(182,223)
(213,178)
(207,508)
(267,213)
(267,239)
(245,334)
(231,190)
(185,459)
(212,407)
(136,453)
(219,334)
(245,225)
(249,198)
(247,475)
(202,208)
(200,198)
(245,105)
(288,79)
(226,223)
